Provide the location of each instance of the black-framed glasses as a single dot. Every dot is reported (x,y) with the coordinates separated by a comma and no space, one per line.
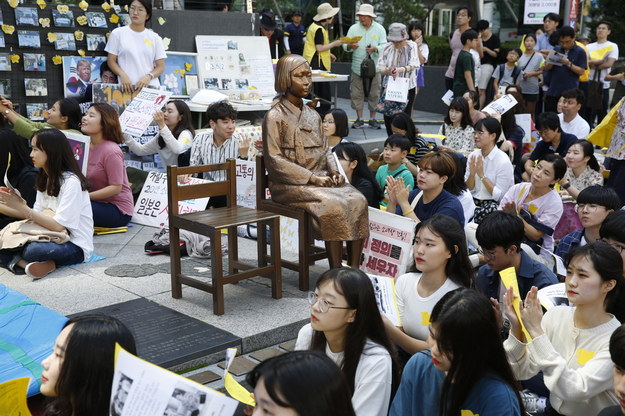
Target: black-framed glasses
(323,304)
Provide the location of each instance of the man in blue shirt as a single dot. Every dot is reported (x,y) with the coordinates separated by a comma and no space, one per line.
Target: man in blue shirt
(294,34)
(566,75)
(500,236)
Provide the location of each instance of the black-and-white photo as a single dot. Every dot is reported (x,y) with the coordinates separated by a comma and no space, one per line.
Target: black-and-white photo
(28,39)
(36,87)
(242,84)
(185,401)
(120,395)
(5,88)
(226,83)
(63,19)
(5,62)
(96,42)
(96,19)
(26,16)
(211,83)
(65,42)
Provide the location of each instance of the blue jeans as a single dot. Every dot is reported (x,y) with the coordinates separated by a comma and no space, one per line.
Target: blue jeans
(62,254)
(108,215)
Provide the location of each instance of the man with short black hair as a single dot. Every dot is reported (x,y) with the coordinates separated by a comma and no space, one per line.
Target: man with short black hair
(464,72)
(570,120)
(491,46)
(550,25)
(603,54)
(554,140)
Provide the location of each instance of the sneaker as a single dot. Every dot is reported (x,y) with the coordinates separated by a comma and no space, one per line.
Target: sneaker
(358,124)
(39,269)
(373,123)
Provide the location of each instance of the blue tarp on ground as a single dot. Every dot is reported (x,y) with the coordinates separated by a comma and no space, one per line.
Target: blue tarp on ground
(27,334)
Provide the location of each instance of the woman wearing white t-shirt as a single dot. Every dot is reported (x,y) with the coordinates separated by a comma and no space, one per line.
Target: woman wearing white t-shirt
(136,54)
(345,323)
(61,188)
(440,254)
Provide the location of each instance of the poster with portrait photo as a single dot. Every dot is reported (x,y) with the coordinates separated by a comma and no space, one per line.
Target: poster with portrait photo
(65,42)
(5,88)
(34,62)
(80,72)
(96,19)
(36,111)
(5,62)
(96,42)
(28,39)
(26,16)
(63,19)
(36,87)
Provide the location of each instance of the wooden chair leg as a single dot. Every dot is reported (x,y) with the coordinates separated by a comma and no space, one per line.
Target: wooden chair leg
(217,273)
(276,280)
(176,269)
(304,253)
(233,250)
(262,243)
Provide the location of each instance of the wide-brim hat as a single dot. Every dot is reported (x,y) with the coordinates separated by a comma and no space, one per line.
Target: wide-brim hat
(397,32)
(366,10)
(268,21)
(325,11)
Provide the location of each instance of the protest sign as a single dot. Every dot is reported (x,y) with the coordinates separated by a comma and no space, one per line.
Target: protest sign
(139,114)
(501,105)
(386,297)
(80,149)
(246,183)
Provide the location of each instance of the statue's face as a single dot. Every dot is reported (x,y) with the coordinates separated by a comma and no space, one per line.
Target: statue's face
(301,81)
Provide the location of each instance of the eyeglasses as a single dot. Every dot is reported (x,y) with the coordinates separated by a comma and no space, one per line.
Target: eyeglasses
(328,121)
(616,245)
(587,207)
(323,304)
(479,132)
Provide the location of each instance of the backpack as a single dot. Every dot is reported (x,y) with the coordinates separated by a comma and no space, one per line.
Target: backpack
(367,68)
(515,73)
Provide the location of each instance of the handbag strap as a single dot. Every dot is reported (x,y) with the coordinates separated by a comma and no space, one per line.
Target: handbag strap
(528,62)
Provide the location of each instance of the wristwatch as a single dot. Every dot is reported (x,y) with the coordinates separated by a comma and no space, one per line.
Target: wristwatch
(7,111)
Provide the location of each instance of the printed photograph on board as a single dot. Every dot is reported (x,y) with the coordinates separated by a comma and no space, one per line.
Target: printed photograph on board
(5,62)
(80,72)
(28,39)
(34,62)
(96,19)
(65,42)
(36,87)
(5,88)
(63,19)
(36,111)
(96,42)
(26,16)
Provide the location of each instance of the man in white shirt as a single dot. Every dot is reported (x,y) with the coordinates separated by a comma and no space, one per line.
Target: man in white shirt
(603,54)
(570,120)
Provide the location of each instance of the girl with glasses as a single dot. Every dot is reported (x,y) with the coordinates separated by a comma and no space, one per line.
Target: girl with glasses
(440,254)
(345,323)
(570,345)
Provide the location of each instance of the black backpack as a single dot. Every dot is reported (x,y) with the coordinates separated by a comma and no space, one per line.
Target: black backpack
(515,73)
(367,68)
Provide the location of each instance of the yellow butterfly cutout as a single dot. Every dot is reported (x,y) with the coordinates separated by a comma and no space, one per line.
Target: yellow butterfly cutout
(81,52)
(83,5)
(51,37)
(166,42)
(13,3)
(583,356)
(188,66)
(82,20)
(425,318)
(8,29)
(147,42)
(108,34)
(532,208)
(161,21)
(44,22)
(57,60)
(465,412)
(176,71)
(114,18)
(182,72)
(79,34)
(62,8)
(106,7)
(15,58)
(42,4)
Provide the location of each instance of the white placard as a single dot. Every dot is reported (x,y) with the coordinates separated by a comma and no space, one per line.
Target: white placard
(80,145)
(449,95)
(386,297)
(386,251)
(396,90)
(525,122)
(142,388)
(152,209)
(140,112)
(536,10)
(246,183)
(500,105)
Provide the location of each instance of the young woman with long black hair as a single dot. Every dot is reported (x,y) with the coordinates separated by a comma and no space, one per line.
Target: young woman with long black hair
(354,163)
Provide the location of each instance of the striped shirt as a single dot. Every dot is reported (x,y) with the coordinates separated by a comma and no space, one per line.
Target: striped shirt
(205,152)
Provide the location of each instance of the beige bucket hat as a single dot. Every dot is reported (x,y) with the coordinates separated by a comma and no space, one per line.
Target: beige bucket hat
(366,10)
(325,11)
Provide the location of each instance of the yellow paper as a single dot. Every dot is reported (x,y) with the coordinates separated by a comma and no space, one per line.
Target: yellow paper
(83,5)
(347,39)
(42,4)
(14,3)
(8,29)
(79,34)
(82,20)
(62,8)
(81,52)
(600,53)
(44,22)
(114,18)
(161,21)
(106,7)
(188,66)
(233,387)
(15,58)
(51,37)
(166,42)
(583,356)
(57,60)
(13,394)
(508,277)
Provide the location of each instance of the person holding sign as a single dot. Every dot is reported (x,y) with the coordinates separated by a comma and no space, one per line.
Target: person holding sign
(136,54)
(466,372)
(570,345)
(79,372)
(111,197)
(346,324)
(442,262)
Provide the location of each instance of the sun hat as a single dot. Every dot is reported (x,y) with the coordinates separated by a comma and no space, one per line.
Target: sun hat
(268,20)
(325,11)
(366,10)
(397,32)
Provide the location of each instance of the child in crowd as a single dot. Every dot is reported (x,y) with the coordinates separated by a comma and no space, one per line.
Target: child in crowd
(440,254)
(464,73)
(335,127)
(403,124)
(507,74)
(62,188)
(345,323)
(111,197)
(354,163)
(594,204)
(500,236)
(415,29)
(530,64)
(436,168)
(282,386)
(294,34)
(176,133)
(79,372)
(569,345)
(396,148)
(457,128)
(466,371)
(617,354)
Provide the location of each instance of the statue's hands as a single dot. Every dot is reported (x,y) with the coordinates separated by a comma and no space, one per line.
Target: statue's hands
(325,181)
(337,178)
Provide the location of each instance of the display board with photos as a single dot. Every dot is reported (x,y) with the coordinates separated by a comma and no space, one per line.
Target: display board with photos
(178,67)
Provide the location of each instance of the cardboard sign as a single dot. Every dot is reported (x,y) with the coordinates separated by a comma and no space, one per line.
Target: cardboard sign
(140,113)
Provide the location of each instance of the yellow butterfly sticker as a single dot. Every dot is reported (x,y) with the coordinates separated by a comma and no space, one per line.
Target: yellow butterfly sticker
(583,356)
(57,60)
(108,34)
(62,8)
(147,42)
(15,58)
(81,52)
(161,21)
(188,66)
(425,318)
(42,4)
(106,7)
(14,3)
(8,29)
(114,18)
(182,72)
(79,34)
(166,42)
(44,22)
(83,5)
(51,37)
(532,208)
(82,20)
